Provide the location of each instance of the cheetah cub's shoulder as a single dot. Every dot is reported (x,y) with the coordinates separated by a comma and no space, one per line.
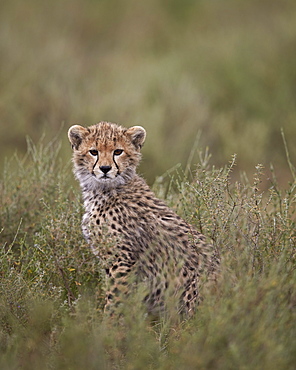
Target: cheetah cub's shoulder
(130,230)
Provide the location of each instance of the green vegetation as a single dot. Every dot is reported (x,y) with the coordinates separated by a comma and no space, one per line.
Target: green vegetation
(217,73)
(51,297)
(176,67)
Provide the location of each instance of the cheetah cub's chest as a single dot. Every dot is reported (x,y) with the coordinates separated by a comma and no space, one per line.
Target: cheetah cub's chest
(128,228)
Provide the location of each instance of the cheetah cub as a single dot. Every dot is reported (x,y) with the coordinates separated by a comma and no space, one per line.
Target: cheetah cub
(129,229)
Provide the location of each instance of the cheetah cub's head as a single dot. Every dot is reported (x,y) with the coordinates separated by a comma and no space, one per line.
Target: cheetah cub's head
(105,155)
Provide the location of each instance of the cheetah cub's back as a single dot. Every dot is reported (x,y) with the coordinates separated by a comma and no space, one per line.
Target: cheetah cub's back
(128,228)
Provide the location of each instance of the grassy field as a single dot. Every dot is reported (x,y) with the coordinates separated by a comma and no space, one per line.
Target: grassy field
(222,68)
(195,74)
(51,284)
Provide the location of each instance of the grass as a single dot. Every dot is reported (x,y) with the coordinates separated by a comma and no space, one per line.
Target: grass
(51,284)
(175,67)
(213,73)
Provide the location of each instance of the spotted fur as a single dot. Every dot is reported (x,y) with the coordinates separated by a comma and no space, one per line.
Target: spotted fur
(128,228)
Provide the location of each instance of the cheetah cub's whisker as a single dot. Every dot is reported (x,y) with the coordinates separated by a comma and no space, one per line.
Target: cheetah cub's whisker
(131,231)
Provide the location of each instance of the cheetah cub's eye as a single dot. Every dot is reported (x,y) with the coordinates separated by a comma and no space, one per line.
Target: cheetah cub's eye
(94,152)
(118,151)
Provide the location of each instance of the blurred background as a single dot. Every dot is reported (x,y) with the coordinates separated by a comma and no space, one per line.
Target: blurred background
(225,69)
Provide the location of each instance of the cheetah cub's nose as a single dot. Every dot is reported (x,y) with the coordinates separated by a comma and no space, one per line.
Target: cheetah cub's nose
(105,169)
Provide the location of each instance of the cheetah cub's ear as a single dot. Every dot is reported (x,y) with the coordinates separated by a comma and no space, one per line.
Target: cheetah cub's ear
(76,134)
(137,136)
